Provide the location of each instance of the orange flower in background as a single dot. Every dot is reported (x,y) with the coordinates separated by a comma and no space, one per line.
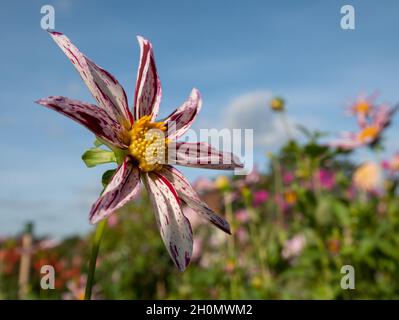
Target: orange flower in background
(367,177)
(333,246)
(290,197)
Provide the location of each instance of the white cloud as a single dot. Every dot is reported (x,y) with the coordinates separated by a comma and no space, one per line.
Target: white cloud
(251,111)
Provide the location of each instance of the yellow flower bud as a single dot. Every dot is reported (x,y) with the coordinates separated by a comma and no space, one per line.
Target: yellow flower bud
(277,104)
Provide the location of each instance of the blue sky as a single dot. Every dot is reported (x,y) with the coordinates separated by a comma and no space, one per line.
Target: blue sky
(234,52)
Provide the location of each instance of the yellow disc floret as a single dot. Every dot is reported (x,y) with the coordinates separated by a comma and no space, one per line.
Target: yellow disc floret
(148,144)
(362,107)
(368,134)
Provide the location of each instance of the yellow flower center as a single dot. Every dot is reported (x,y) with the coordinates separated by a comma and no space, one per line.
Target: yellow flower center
(148,144)
(369,133)
(362,107)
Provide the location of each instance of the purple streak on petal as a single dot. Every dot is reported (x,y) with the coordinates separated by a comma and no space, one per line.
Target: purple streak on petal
(148,86)
(202,155)
(111,97)
(88,115)
(123,187)
(174,227)
(190,197)
(181,119)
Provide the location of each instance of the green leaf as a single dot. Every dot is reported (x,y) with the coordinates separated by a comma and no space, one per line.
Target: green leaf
(323,210)
(314,150)
(98,142)
(96,156)
(107,176)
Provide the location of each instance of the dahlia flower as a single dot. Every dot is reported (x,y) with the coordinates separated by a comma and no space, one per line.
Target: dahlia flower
(143,147)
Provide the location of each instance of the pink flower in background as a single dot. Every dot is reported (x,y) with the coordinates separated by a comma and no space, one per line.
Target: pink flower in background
(370,129)
(385,165)
(392,164)
(253,177)
(113,220)
(76,289)
(250,179)
(202,185)
(242,216)
(351,192)
(242,235)
(294,246)
(260,197)
(197,249)
(130,135)
(362,107)
(279,200)
(288,177)
(326,178)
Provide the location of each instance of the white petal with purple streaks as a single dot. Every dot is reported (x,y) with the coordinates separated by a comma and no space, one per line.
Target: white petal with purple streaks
(182,118)
(123,187)
(148,86)
(201,155)
(103,86)
(191,198)
(88,115)
(174,227)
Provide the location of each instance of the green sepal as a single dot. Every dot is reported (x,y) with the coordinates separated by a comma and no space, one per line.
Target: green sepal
(120,155)
(96,156)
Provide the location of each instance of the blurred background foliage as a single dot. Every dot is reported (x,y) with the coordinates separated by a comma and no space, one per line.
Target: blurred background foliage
(293,228)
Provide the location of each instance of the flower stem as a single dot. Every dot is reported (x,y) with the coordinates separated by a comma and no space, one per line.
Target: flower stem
(93,259)
(286,126)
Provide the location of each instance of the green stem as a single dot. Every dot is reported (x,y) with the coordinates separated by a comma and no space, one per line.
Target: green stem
(93,259)
(278,189)
(234,290)
(286,126)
